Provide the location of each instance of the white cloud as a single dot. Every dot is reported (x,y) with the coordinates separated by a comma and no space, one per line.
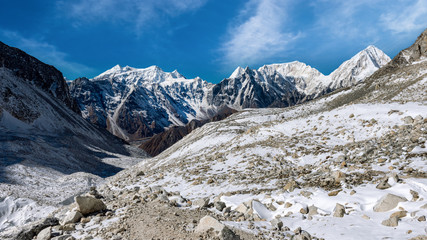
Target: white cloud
(45,52)
(406,18)
(137,13)
(260,36)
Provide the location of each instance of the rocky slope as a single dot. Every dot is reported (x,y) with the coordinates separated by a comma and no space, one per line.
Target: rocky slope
(160,142)
(135,103)
(49,152)
(349,165)
(36,73)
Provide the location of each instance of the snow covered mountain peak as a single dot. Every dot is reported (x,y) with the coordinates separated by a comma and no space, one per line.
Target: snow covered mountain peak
(362,65)
(138,76)
(291,69)
(237,72)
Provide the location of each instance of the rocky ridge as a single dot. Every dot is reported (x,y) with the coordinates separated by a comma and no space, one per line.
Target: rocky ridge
(135,103)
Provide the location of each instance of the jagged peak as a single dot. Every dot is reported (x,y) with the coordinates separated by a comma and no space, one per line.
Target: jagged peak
(237,72)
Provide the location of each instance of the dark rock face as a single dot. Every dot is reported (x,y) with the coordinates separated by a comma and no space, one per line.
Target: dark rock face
(164,140)
(248,92)
(37,73)
(412,53)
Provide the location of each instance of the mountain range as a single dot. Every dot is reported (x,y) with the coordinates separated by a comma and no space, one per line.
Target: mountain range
(135,103)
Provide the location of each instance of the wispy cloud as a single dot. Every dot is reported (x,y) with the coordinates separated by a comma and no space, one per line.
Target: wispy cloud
(45,52)
(137,13)
(409,17)
(260,34)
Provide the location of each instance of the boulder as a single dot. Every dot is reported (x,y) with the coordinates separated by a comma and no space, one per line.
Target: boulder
(219,205)
(276,224)
(312,210)
(339,210)
(32,231)
(208,223)
(87,204)
(45,234)
(72,217)
(383,185)
(391,222)
(201,203)
(388,202)
(291,185)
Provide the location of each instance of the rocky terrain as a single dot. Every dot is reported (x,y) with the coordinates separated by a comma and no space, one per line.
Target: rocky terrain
(349,165)
(49,153)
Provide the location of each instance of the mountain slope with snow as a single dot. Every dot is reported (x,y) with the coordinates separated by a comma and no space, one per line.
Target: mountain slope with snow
(49,153)
(134,103)
(325,166)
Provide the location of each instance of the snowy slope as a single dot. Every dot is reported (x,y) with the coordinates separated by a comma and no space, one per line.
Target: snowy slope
(49,153)
(284,163)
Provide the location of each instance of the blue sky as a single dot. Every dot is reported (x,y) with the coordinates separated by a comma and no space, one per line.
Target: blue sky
(206,38)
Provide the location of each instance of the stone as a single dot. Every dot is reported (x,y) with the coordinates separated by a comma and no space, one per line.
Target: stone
(415,195)
(45,234)
(399,214)
(291,185)
(339,210)
(408,120)
(422,219)
(301,235)
(338,176)
(87,204)
(72,217)
(366,217)
(383,185)
(35,228)
(201,203)
(63,237)
(334,193)
(312,210)
(388,202)
(208,223)
(219,205)
(424,206)
(276,224)
(391,222)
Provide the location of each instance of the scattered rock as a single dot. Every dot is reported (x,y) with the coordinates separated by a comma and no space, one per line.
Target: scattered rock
(391,222)
(201,203)
(415,195)
(422,219)
(34,229)
(208,223)
(399,214)
(72,217)
(219,205)
(334,193)
(312,210)
(87,204)
(45,234)
(338,176)
(383,185)
(408,120)
(301,235)
(291,185)
(276,224)
(388,202)
(339,210)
